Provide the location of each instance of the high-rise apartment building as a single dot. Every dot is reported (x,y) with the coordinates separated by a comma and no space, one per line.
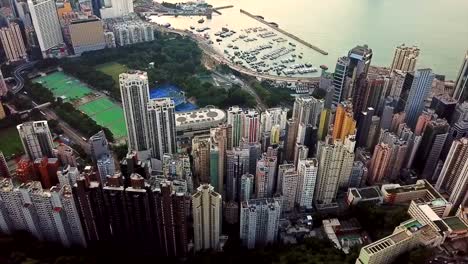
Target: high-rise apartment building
(66,155)
(134,92)
(46,25)
(274,117)
(102,156)
(265,178)
(162,136)
(247,184)
(36,139)
(170,216)
(363,126)
(379,163)
(307,170)
(421,86)
(359,61)
(307,110)
(405,58)
(398,152)
(344,124)
(259,221)
(234,118)
(335,166)
(206,208)
(4,171)
(90,202)
(49,215)
(458,128)
(461,85)
(237,164)
(289,178)
(201,158)
(251,126)
(12,42)
(220,143)
(453,178)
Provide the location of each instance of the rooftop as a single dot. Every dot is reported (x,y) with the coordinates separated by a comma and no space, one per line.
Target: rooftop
(455,223)
(200,116)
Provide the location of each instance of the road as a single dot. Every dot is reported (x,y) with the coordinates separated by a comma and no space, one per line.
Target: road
(17,74)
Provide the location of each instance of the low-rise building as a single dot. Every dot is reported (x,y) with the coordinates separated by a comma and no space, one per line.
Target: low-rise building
(87,35)
(364,195)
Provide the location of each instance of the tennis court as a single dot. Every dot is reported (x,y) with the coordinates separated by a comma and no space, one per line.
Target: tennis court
(63,85)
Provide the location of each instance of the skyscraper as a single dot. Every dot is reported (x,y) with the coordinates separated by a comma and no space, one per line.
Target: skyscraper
(134,92)
(90,202)
(335,166)
(251,126)
(101,155)
(201,158)
(234,118)
(339,79)
(206,208)
(114,200)
(458,128)
(444,106)
(359,61)
(265,178)
(237,164)
(259,221)
(430,148)
(418,93)
(170,215)
(307,110)
(290,141)
(37,139)
(461,85)
(405,58)
(13,43)
(307,170)
(345,124)
(273,117)
(288,189)
(162,136)
(246,187)
(46,25)
(4,171)
(220,143)
(363,126)
(453,178)
(379,163)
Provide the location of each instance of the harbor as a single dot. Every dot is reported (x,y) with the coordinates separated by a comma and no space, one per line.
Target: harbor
(277,28)
(250,45)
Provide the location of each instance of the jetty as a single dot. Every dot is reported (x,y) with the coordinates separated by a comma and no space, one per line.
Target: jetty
(216,9)
(277,28)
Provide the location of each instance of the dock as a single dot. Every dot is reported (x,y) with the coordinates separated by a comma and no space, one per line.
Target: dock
(277,28)
(216,9)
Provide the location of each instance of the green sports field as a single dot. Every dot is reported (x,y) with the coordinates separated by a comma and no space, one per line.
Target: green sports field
(10,142)
(63,85)
(113,69)
(105,112)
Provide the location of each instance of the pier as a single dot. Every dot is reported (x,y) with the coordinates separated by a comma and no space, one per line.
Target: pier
(277,28)
(216,9)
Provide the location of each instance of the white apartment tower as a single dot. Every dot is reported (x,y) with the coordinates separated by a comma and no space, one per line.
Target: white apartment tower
(307,170)
(206,207)
(405,58)
(134,92)
(13,43)
(335,166)
(307,110)
(37,139)
(453,178)
(162,136)
(46,24)
(259,221)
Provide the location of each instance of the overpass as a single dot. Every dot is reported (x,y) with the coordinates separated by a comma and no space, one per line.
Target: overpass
(219,58)
(36,106)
